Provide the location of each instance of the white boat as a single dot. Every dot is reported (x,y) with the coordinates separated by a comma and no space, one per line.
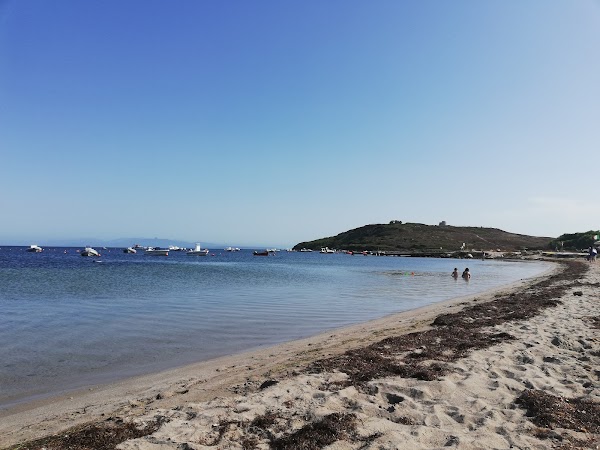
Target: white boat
(34,249)
(156,251)
(89,251)
(198,251)
(327,250)
(232,249)
(129,250)
(306,250)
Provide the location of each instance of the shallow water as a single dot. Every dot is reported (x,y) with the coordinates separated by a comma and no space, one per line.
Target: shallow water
(68,321)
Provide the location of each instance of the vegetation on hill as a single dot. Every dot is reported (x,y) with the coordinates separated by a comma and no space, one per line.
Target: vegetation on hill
(575,241)
(417,237)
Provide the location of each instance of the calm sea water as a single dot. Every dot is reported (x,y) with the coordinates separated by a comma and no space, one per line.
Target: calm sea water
(67,321)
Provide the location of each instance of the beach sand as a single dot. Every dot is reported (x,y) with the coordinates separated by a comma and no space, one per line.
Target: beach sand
(516,368)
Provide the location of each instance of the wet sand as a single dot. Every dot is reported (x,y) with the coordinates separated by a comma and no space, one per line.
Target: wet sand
(460,374)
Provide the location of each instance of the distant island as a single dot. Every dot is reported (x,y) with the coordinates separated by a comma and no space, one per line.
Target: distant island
(415,238)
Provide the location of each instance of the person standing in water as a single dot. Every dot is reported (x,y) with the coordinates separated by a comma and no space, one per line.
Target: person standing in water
(455,273)
(466,274)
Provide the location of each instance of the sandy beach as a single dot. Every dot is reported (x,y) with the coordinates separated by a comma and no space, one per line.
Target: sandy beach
(515,368)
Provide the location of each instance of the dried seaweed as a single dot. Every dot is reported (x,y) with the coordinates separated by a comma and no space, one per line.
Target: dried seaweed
(426,351)
(549,411)
(422,355)
(316,435)
(95,436)
(520,305)
(264,421)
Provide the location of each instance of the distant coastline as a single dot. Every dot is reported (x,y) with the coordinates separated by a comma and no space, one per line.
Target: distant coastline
(418,239)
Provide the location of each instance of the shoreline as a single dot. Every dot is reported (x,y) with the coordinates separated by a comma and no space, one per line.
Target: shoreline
(128,331)
(41,394)
(220,377)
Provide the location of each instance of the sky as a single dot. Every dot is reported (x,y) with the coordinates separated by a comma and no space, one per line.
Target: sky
(247,122)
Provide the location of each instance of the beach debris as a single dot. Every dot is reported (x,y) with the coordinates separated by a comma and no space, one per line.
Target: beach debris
(452,441)
(394,399)
(395,356)
(97,436)
(316,435)
(549,411)
(267,384)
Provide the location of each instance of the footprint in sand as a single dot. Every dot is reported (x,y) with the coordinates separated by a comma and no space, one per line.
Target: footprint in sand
(455,414)
(552,359)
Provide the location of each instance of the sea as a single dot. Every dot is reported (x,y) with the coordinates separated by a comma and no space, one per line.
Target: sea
(69,322)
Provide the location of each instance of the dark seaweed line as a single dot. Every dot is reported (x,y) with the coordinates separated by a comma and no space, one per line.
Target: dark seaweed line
(423,354)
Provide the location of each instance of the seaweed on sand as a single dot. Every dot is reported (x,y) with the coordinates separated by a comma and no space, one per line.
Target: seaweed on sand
(415,355)
(421,355)
(316,435)
(520,305)
(95,436)
(549,411)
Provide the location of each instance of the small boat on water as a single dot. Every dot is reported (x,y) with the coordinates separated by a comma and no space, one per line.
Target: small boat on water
(305,250)
(34,249)
(129,250)
(232,249)
(327,250)
(89,251)
(156,251)
(198,251)
(263,253)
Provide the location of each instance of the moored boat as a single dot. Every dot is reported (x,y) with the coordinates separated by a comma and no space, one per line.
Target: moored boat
(263,253)
(34,249)
(327,250)
(156,251)
(198,251)
(89,251)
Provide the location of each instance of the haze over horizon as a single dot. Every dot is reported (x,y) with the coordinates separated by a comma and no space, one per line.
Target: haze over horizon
(283,122)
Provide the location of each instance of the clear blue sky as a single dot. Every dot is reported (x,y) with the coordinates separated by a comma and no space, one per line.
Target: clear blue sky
(282,121)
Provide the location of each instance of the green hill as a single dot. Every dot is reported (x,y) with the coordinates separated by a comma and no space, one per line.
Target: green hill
(576,241)
(417,237)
